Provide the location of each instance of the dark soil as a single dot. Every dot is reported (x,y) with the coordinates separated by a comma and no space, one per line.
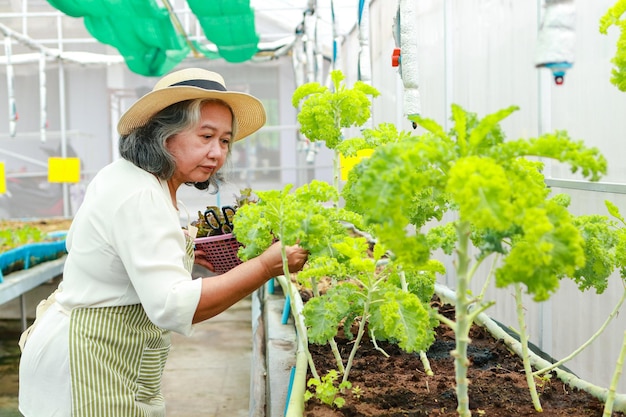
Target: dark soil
(398,386)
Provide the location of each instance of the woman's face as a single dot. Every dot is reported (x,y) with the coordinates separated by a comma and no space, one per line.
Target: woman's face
(201,151)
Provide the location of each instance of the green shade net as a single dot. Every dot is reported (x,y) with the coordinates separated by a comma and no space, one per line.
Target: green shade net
(229,24)
(143,32)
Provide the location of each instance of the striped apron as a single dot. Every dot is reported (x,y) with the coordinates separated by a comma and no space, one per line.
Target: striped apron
(117,356)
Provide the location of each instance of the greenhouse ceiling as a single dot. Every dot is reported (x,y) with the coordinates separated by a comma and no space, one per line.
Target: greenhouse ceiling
(153,36)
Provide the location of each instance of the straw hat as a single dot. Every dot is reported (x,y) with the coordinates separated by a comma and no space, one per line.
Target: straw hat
(189,84)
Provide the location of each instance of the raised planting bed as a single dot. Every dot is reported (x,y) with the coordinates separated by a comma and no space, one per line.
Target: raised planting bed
(399,385)
(24,244)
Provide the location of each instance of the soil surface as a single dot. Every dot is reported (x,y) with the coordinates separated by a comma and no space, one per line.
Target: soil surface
(397,386)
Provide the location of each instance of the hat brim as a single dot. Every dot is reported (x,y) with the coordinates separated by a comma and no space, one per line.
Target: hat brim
(248,110)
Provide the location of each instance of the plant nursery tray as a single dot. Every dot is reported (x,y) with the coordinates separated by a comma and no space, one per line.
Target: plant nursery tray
(31,254)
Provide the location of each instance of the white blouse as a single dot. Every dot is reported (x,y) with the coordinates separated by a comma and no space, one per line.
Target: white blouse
(125,246)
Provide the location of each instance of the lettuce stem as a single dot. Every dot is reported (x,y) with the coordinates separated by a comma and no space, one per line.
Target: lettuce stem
(523,337)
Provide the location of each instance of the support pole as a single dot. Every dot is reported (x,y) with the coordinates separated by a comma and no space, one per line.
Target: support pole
(365,61)
(10,87)
(62,116)
(43,109)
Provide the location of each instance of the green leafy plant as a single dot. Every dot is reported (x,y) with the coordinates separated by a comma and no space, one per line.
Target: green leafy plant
(604,246)
(306,216)
(326,389)
(324,112)
(500,202)
(366,291)
(614,17)
(13,237)
(371,293)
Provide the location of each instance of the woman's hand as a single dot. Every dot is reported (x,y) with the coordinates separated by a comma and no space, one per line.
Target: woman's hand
(273,261)
(200,259)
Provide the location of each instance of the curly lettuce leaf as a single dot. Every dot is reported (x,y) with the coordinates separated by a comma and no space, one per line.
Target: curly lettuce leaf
(613,17)
(600,240)
(489,183)
(323,113)
(402,318)
(326,314)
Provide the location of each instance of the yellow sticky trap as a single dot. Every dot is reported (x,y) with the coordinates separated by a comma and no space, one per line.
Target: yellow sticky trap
(3,179)
(346,163)
(63,169)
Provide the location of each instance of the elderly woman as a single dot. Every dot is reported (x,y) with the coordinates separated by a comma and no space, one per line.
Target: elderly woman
(100,342)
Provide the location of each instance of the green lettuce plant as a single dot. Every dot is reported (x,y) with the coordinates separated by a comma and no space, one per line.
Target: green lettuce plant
(307,217)
(466,191)
(492,194)
(614,17)
(393,303)
(324,112)
(13,237)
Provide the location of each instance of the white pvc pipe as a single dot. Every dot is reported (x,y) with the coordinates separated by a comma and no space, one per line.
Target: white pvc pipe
(449,297)
(365,61)
(544,119)
(448,62)
(336,61)
(10,87)
(309,41)
(62,116)
(43,109)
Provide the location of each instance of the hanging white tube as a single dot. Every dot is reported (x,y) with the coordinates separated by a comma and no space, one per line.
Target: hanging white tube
(365,61)
(10,87)
(556,38)
(309,42)
(337,40)
(408,54)
(43,109)
(448,53)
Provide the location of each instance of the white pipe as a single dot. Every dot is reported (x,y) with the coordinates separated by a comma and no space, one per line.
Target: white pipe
(43,109)
(309,40)
(448,62)
(10,87)
(58,53)
(295,406)
(448,296)
(24,158)
(62,115)
(365,61)
(336,58)
(544,106)
(24,17)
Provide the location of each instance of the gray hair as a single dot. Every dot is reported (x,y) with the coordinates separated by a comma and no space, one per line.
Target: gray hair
(145,145)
